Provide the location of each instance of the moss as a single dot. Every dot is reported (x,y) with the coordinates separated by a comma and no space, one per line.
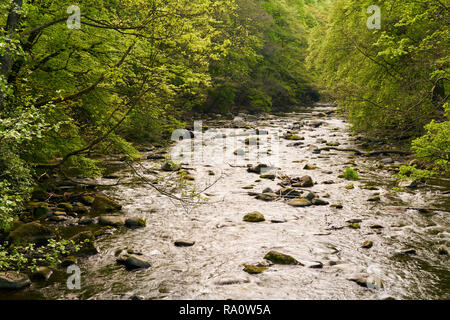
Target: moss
(350,186)
(105,204)
(66,206)
(280,258)
(254,269)
(354,226)
(269,176)
(254,217)
(351,174)
(87,200)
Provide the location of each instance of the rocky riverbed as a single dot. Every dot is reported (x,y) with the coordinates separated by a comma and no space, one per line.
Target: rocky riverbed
(281,220)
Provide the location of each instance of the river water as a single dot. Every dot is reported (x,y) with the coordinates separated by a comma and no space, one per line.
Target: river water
(224,243)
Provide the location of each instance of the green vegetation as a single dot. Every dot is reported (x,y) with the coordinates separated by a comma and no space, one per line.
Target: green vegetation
(138,69)
(350,174)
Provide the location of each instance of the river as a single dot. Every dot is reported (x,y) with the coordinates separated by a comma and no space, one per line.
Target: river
(316,235)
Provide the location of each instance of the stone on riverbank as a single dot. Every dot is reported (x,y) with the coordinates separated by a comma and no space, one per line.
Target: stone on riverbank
(32,232)
(41,274)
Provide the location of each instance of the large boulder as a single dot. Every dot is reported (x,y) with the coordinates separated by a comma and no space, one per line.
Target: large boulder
(113,221)
(302,202)
(32,232)
(135,222)
(133,263)
(280,258)
(104,204)
(254,217)
(13,280)
(86,241)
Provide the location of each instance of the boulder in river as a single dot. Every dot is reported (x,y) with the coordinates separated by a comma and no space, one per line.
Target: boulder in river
(258,168)
(86,241)
(280,258)
(135,222)
(267,196)
(370,282)
(252,269)
(13,280)
(302,202)
(104,204)
(367,244)
(133,263)
(270,176)
(113,221)
(254,216)
(170,166)
(184,243)
(319,202)
(304,182)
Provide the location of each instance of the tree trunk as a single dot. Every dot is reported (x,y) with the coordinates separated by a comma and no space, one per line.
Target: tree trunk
(6,60)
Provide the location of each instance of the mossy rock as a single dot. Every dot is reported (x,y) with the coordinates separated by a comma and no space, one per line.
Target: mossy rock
(270,176)
(247,187)
(32,232)
(112,221)
(251,141)
(304,182)
(66,206)
(251,269)
(170,166)
(267,196)
(350,187)
(367,244)
(103,231)
(188,177)
(103,204)
(86,240)
(293,137)
(68,261)
(254,217)
(87,200)
(302,202)
(310,167)
(354,226)
(337,206)
(280,258)
(374,199)
(135,222)
(39,209)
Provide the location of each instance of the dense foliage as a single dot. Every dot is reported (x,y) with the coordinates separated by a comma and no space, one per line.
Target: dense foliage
(394,80)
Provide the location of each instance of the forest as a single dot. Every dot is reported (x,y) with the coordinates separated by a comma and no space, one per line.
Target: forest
(83,80)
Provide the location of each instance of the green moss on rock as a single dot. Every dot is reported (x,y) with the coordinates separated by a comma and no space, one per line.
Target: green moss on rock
(254,217)
(251,269)
(280,258)
(103,204)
